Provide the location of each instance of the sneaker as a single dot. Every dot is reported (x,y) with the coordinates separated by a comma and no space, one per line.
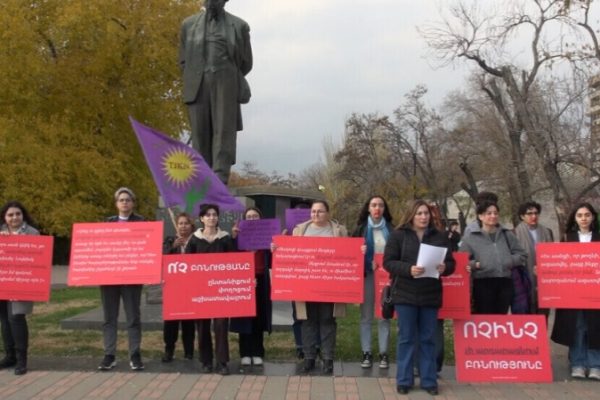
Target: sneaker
(401,389)
(257,361)
(367,361)
(309,365)
(136,362)
(207,368)
(578,372)
(167,357)
(222,369)
(246,361)
(299,354)
(327,367)
(108,363)
(384,362)
(594,374)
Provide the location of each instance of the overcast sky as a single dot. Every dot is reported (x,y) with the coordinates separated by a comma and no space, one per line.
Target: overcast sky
(318,61)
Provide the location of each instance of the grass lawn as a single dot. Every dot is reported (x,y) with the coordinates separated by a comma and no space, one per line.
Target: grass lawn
(48,339)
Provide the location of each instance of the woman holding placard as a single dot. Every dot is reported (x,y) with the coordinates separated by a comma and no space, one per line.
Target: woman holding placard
(417,298)
(211,239)
(180,243)
(319,318)
(580,329)
(15,333)
(374,225)
(251,329)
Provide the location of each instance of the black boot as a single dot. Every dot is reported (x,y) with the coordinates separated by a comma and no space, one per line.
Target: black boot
(309,365)
(9,360)
(21,365)
(327,367)
(168,356)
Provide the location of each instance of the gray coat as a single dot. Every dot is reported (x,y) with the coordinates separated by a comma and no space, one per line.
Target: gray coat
(497,257)
(21,307)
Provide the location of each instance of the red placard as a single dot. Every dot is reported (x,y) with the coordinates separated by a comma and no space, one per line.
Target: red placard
(568,275)
(112,253)
(213,285)
(381,278)
(324,269)
(456,300)
(25,267)
(502,348)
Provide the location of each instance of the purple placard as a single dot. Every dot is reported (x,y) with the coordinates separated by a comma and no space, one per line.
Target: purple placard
(258,234)
(295,216)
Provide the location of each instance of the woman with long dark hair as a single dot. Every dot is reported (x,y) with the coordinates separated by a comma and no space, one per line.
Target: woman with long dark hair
(374,225)
(416,299)
(580,329)
(15,332)
(184,227)
(251,329)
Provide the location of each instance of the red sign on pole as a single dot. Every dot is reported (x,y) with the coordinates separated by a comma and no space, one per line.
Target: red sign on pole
(324,269)
(456,299)
(111,253)
(502,348)
(213,285)
(25,267)
(568,275)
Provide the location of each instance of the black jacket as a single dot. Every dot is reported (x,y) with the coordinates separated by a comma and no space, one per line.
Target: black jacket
(565,320)
(401,253)
(132,218)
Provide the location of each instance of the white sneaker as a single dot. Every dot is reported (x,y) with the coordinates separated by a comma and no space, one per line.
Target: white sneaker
(246,361)
(257,361)
(594,374)
(578,372)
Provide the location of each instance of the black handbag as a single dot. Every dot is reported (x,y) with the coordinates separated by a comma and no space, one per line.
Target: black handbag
(387,307)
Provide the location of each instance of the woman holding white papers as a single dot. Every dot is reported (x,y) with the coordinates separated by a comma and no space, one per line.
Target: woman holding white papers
(251,329)
(417,299)
(374,225)
(493,252)
(580,329)
(15,333)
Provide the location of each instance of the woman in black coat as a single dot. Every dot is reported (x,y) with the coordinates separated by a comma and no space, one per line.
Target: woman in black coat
(580,329)
(416,299)
(184,226)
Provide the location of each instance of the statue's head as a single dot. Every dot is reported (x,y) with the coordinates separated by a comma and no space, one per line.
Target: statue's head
(215,6)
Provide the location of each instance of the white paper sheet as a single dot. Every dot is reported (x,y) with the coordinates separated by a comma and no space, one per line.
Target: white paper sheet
(430,257)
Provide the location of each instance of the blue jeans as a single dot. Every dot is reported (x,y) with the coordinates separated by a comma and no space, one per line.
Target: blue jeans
(416,324)
(579,353)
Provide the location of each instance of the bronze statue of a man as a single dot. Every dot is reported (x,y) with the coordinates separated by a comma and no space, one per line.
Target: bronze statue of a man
(215,55)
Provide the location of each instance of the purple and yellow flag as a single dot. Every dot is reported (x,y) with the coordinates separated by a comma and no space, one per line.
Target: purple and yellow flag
(182,176)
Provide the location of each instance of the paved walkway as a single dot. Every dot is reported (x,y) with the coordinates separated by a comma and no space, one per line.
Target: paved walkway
(71,379)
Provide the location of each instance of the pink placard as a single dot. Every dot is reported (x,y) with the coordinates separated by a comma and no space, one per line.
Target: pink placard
(213,285)
(456,299)
(324,269)
(25,267)
(110,253)
(502,348)
(568,275)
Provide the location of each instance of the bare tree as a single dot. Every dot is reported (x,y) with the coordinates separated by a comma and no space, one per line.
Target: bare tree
(511,81)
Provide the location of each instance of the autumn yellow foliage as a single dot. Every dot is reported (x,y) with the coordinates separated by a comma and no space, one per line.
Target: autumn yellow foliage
(71,72)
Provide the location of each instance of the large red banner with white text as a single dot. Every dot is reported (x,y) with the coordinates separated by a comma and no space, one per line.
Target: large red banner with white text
(502,348)
(568,275)
(456,298)
(213,285)
(25,267)
(323,269)
(111,253)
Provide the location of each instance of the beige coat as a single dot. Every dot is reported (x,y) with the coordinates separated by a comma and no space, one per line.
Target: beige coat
(339,309)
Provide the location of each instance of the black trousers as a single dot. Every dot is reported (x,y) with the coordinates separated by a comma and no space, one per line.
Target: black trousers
(492,295)
(220,326)
(15,333)
(188,334)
